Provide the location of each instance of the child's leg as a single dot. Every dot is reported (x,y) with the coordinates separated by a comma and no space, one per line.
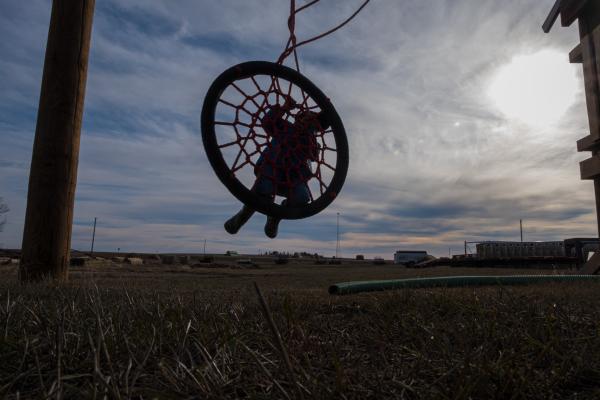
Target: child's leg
(263,187)
(272,225)
(233,224)
(300,195)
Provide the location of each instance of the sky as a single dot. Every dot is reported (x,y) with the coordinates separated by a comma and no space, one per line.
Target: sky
(462,117)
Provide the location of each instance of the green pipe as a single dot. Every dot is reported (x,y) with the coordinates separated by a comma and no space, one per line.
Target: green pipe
(453,281)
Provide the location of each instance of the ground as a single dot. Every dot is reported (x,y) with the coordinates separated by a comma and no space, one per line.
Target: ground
(128,331)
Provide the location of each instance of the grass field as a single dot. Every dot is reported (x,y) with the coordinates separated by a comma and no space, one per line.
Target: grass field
(126,331)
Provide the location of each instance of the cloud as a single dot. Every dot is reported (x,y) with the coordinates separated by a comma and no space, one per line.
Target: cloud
(433,161)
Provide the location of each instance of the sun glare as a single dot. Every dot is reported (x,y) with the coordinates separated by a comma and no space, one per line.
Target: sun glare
(536,89)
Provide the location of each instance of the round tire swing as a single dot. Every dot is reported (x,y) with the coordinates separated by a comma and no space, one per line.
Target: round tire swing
(233,147)
(254,130)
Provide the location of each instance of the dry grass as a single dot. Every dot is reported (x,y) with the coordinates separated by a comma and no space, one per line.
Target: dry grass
(158,332)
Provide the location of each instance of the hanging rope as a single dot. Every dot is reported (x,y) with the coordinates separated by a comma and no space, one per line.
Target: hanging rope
(278,134)
(292,43)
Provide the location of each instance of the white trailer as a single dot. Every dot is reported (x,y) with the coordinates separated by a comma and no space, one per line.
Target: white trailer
(409,256)
(487,250)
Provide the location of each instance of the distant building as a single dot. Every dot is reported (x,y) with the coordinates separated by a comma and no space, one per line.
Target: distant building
(488,250)
(409,256)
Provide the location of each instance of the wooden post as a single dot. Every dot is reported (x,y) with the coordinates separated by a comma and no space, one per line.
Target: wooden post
(587,52)
(53,174)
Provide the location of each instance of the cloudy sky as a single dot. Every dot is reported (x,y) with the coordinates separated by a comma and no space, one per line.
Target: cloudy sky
(462,118)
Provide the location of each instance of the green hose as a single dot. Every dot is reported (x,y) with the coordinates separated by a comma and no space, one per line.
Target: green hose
(453,281)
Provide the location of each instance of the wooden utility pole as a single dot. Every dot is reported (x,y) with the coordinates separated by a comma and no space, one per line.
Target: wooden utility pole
(587,52)
(521,229)
(53,174)
(93,238)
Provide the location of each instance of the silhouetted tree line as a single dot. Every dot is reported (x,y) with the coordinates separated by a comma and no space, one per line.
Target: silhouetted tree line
(301,254)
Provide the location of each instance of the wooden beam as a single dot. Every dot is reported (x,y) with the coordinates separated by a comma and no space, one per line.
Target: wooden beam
(590,74)
(590,168)
(53,174)
(588,143)
(570,10)
(576,55)
(551,18)
(589,17)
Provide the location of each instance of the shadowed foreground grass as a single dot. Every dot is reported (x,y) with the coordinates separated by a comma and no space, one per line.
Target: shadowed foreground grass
(82,341)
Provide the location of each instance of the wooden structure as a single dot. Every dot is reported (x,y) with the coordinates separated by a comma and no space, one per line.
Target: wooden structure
(587,52)
(53,174)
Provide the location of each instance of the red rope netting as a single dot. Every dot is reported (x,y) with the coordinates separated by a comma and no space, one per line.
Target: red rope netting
(280,139)
(276,131)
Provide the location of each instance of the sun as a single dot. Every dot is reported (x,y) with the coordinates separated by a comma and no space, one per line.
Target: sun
(536,89)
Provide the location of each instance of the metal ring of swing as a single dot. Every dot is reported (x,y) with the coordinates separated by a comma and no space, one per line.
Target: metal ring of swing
(234,139)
